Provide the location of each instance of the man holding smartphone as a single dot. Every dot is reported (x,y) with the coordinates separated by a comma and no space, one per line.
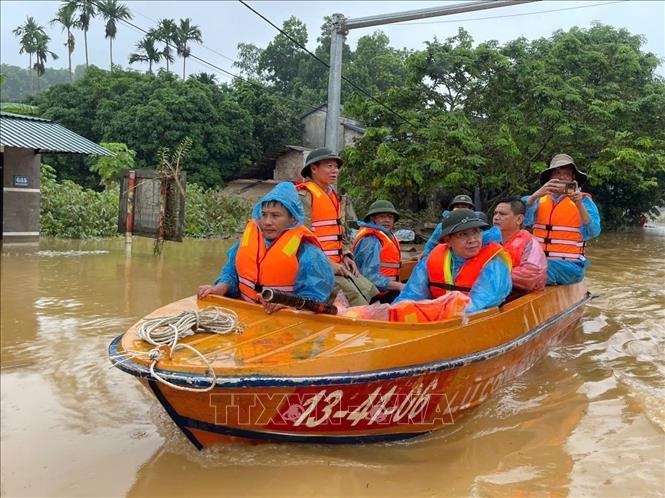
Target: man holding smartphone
(563,219)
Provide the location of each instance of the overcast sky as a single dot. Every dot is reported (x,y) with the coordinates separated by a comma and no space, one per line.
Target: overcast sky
(224,24)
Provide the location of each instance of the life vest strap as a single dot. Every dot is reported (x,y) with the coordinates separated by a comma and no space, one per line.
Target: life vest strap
(450,287)
(334,252)
(565,256)
(322,223)
(391,265)
(560,241)
(559,228)
(325,238)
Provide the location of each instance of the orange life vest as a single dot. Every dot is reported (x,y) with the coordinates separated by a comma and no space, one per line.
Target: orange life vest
(558,229)
(275,267)
(440,268)
(390,255)
(326,219)
(515,246)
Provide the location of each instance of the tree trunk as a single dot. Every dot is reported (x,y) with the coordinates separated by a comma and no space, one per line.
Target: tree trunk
(111,51)
(85,40)
(167,65)
(183,67)
(69,55)
(30,71)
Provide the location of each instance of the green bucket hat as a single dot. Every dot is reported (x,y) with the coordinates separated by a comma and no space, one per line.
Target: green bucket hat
(381,206)
(318,155)
(461,219)
(461,199)
(559,161)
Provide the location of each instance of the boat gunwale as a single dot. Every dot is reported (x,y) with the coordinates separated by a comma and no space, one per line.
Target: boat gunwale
(128,365)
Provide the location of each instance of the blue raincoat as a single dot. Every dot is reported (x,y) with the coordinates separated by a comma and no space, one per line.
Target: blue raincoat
(315,278)
(367,255)
(491,289)
(560,272)
(491,235)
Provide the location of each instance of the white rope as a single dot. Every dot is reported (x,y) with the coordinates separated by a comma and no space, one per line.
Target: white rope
(166,331)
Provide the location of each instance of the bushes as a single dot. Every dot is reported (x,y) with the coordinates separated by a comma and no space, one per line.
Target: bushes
(209,214)
(73,212)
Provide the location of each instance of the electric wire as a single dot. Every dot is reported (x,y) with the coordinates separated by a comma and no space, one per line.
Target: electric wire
(324,63)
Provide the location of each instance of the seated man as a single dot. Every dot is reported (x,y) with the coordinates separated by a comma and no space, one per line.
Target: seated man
(529,271)
(325,214)
(563,219)
(462,262)
(377,252)
(275,251)
(459,202)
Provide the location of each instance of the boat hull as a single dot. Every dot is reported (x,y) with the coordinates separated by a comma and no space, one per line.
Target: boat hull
(354,407)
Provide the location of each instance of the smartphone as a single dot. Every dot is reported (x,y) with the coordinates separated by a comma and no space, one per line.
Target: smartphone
(570,187)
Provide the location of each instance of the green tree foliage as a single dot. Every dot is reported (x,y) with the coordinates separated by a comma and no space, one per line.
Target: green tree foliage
(492,116)
(113,12)
(18,85)
(66,17)
(210,214)
(147,52)
(185,33)
(231,126)
(86,11)
(110,168)
(73,212)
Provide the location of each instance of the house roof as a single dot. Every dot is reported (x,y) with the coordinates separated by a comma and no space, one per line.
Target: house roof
(44,135)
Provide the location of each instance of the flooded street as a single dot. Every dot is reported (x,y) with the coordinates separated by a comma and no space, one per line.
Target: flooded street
(588,420)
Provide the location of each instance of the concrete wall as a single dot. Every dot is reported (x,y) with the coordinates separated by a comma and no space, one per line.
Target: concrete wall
(20,204)
(289,165)
(314,130)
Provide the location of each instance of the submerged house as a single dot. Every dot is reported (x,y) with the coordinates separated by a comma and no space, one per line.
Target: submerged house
(285,163)
(23,139)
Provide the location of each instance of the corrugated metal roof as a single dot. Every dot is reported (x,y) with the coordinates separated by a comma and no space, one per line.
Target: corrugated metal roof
(38,133)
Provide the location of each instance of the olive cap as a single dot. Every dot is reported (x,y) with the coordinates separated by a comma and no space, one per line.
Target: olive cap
(318,155)
(461,199)
(461,219)
(381,206)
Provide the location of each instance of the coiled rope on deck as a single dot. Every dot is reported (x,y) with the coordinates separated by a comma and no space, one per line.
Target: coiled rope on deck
(166,331)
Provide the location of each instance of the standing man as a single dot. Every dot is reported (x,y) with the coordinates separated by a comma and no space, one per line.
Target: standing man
(325,214)
(529,271)
(376,250)
(563,218)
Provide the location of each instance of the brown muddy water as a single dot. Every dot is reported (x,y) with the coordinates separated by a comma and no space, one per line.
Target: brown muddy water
(588,420)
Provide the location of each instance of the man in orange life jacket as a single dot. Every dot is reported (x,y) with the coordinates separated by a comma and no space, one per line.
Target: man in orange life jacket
(563,219)
(461,262)
(325,214)
(275,251)
(376,250)
(529,271)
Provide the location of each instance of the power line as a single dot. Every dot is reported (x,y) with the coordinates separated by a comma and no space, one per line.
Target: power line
(308,105)
(321,61)
(409,23)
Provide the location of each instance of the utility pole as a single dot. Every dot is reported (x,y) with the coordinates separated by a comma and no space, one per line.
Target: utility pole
(340,28)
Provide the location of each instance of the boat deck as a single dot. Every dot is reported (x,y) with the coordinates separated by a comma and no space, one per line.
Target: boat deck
(291,342)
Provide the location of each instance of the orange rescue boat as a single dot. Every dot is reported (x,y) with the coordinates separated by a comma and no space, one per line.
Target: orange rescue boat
(297,376)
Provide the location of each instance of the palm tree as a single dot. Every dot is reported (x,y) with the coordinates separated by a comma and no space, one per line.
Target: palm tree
(147,52)
(41,54)
(185,33)
(27,35)
(66,16)
(166,32)
(112,11)
(86,10)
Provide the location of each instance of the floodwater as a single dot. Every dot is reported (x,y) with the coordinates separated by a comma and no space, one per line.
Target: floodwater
(588,420)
